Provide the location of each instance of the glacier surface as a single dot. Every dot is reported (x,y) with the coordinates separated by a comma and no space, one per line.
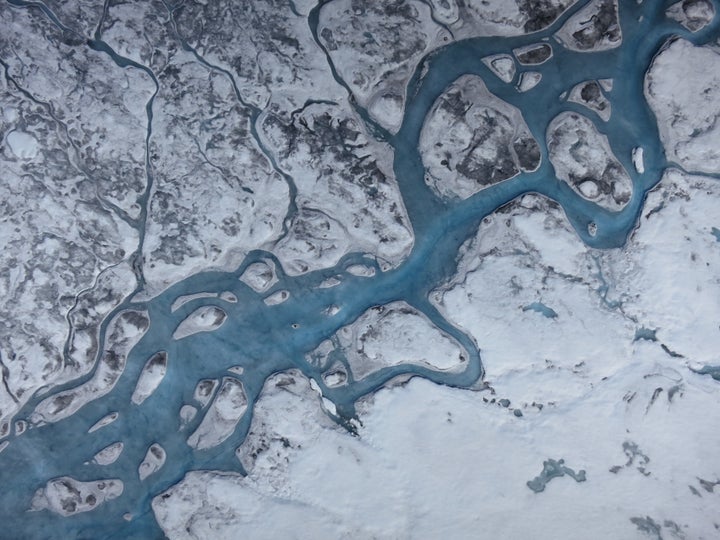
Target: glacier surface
(353,269)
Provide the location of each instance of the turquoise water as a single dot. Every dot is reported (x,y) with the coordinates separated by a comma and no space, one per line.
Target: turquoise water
(268,339)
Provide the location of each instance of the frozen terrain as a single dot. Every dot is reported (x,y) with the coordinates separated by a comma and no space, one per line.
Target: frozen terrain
(583,158)
(683,88)
(472,139)
(352,269)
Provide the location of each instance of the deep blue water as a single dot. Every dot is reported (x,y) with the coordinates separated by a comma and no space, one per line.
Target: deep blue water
(268,339)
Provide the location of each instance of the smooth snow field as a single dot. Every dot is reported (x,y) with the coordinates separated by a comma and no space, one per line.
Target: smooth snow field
(388,282)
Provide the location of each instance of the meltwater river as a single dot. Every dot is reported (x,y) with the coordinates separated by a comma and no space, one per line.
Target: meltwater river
(266,339)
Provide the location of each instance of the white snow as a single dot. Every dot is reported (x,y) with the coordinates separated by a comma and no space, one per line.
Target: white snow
(637,158)
(496,17)
(692,14)
(442,462)
(683,89)
(361,270)
(153,461)
(184,299)
(22,144)
(525,54)
(213,199)
(594,27)
(67,496)
(581,154)
(104,421)
(276,298)
(348,198)
(203,319)
(187,413)
(589,93)
(377,47)
(470,140)
(587,383)
(150,377)
(204,391)
(124,331)
(529,80)
(390,335)
(387,109)
(109,454)
(501,65)
(259,276)
(222,416)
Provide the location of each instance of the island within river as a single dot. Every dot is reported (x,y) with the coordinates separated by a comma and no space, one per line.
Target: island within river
(359,269)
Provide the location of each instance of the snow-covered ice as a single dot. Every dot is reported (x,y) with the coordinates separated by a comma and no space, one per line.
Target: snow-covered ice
(595,27)
(683,89)
(472,139)
(582,157)
(241,241)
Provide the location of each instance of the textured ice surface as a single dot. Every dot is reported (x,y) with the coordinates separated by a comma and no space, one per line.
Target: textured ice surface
(471,140)
(262,259)
(388,335)
(67,496)
(124,331)
(595,27)
(375,47)
(224,413)
(683,88)
(582,157)
(590,94)
(203,319)
(692,14)
(336,165)
(150,377)
(154,460)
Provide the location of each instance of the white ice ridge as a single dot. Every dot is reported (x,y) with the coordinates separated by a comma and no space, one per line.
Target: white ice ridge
(637,158)
(104,421)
